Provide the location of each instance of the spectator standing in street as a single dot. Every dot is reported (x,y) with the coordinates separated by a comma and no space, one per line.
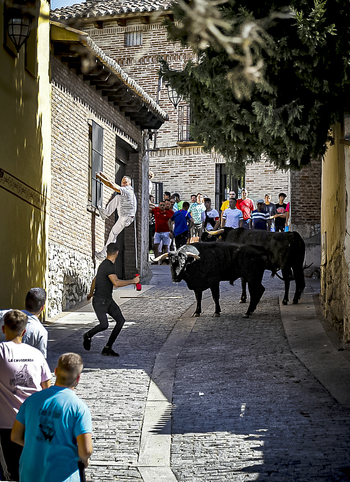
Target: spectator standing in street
(179,224)
(124,202)
(260,219)
(281,213)
(225,204)
(270,208)
(161,216)
(210,217)
(23,371)
(101,291)
(232,217)
(196,210)
(246,205)
(166,196)
(36,334)
(54,428)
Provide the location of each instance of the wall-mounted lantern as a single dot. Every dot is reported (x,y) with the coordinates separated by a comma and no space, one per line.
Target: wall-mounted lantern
(174,97)
(18,24)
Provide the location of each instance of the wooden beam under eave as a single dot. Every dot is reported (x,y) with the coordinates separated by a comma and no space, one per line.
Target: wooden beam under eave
(146,19)
(121,22)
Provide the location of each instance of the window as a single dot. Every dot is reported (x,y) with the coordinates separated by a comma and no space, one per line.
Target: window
(95,164)
(184,123)
(132,39)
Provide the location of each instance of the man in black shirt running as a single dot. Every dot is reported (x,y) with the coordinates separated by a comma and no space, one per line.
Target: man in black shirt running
(103,303)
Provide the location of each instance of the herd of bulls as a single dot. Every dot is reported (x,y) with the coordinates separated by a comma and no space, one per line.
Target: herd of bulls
(239,253)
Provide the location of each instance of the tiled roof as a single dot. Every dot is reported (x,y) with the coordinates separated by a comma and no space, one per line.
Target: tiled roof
(107,8)
(148,113)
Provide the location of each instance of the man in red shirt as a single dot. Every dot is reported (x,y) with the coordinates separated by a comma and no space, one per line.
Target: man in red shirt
(162,235)
(246,205)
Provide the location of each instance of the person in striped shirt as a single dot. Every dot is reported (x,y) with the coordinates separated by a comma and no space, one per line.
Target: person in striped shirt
(260,219)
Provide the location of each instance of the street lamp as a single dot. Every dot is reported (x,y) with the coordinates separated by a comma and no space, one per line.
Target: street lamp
(18,26)
(174,96)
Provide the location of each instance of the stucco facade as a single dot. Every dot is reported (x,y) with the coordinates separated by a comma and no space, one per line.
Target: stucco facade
(25,161)
(335,226)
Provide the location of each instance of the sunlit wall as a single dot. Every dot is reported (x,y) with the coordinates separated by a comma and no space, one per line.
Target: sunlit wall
(24,160)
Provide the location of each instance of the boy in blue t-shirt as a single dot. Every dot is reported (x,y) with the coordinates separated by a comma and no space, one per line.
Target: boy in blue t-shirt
(54,427)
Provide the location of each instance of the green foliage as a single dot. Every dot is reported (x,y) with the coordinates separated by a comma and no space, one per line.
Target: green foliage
(284,114)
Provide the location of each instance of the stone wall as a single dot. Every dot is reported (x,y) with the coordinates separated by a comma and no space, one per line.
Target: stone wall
(70,277)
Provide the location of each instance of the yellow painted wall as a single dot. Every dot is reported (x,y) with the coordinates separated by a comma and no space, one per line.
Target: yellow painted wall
(334,268)
(25,122)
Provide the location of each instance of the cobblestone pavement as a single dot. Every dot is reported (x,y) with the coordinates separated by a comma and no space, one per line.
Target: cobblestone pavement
(244,407)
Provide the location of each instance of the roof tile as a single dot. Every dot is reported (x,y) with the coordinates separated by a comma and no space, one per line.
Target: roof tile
(101,8)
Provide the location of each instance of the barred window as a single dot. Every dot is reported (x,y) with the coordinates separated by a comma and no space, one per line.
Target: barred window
(132,39)
(184,123)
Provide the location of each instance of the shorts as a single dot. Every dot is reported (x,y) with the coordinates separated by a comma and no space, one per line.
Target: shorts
(164,237)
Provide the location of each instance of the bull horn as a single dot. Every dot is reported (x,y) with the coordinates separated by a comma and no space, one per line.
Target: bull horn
(212,233)
(193,255)
(162,256)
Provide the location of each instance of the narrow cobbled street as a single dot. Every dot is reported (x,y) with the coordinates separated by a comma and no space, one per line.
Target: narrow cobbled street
(205,399)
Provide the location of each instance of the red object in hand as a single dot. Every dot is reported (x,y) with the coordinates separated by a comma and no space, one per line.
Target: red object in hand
(138,285)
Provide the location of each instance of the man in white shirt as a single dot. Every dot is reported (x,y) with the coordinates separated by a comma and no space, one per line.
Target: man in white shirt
(126,205)
(210,217)
(23,371)
(232,217)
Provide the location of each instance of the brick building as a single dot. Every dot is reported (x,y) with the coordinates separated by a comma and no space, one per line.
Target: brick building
(100,121)
(132,33)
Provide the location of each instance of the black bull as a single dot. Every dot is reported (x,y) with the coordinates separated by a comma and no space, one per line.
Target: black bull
(286,252)
(204,265)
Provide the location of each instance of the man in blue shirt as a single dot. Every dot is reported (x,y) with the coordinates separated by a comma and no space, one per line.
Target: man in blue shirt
(179,224)
(54,428)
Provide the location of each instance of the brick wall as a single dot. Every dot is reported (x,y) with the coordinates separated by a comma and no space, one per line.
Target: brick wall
(75,231)
(185,170)
(306,199)
(262,178)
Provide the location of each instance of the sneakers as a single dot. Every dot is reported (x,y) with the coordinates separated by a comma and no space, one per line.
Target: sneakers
(87,342)
(107,351)
(99,255)
(102,213)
